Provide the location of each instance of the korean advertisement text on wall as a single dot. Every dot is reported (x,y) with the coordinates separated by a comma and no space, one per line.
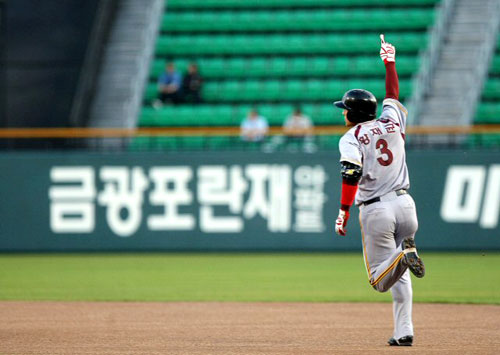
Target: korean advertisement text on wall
(287,198)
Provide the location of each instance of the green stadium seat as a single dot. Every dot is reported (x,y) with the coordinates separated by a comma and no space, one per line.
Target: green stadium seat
(271,90)
(151,92)
(320,66)
(294,90)
(276,67)
(215,66)
(205,115)
(491,90)
(299,66)
(251,90)
(224,116)
(488,112)
(326,114)
(282,112)
(495,65)
(269,112)
(314,90)
(336,88)
(186,116)
(149,117)
(236,68)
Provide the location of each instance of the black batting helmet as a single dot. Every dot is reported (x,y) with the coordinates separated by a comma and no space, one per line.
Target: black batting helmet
(361,105)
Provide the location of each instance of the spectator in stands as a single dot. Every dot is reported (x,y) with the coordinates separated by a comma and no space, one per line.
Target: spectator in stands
(191,86)
(298,129)
(298,125)
(254,127)
(169,86)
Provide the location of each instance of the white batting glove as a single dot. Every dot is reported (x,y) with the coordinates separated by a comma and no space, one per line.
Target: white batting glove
(387,51)
(341,222)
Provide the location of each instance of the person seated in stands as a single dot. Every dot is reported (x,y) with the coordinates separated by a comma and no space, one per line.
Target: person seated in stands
(298,128)
(298,125)
(254,127)
(192,84)
(169,86)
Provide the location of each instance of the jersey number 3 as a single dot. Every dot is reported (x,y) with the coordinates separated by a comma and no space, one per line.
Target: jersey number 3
(384,149)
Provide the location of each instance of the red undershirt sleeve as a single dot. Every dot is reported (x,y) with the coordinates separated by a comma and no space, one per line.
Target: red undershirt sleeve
(391,81)
(348,194)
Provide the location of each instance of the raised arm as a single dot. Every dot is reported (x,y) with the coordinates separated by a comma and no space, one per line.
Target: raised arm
(388,55)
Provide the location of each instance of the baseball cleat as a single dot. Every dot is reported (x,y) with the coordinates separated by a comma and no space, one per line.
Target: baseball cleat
(411,258)
(403,341)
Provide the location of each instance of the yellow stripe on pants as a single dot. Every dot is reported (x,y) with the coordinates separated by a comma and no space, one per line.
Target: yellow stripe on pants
(394,263)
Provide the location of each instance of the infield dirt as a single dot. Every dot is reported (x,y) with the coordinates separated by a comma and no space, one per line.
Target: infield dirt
(240,328)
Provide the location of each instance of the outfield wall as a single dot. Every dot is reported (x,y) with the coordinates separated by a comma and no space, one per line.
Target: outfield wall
(187,201)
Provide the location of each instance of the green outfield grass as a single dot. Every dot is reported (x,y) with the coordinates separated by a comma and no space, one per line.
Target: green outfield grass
(456,278)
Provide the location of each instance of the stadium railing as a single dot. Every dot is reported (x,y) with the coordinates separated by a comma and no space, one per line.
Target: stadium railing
(225,137)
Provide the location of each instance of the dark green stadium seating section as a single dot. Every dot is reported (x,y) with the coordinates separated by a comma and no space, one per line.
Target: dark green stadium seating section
(201,4)
(305,20)
(230,115)
(488,110)
(289,67)
(287,90)
(289,44)
(275,54)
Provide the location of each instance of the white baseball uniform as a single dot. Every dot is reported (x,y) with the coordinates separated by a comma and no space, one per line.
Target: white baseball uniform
(387,212)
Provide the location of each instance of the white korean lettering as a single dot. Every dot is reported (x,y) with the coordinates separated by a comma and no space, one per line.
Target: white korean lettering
(257,202)
(171,191)
(72,207)
(462,195)
(491,204)
(309,199)
(280,195)
(123,197)
(270,195)
(215,189)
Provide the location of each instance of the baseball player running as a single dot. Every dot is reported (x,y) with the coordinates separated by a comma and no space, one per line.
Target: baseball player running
(375,177)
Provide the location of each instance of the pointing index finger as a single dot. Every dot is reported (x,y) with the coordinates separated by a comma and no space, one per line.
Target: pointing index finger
(382,38)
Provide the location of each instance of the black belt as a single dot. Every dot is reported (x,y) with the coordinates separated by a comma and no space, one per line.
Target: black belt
(377,199)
